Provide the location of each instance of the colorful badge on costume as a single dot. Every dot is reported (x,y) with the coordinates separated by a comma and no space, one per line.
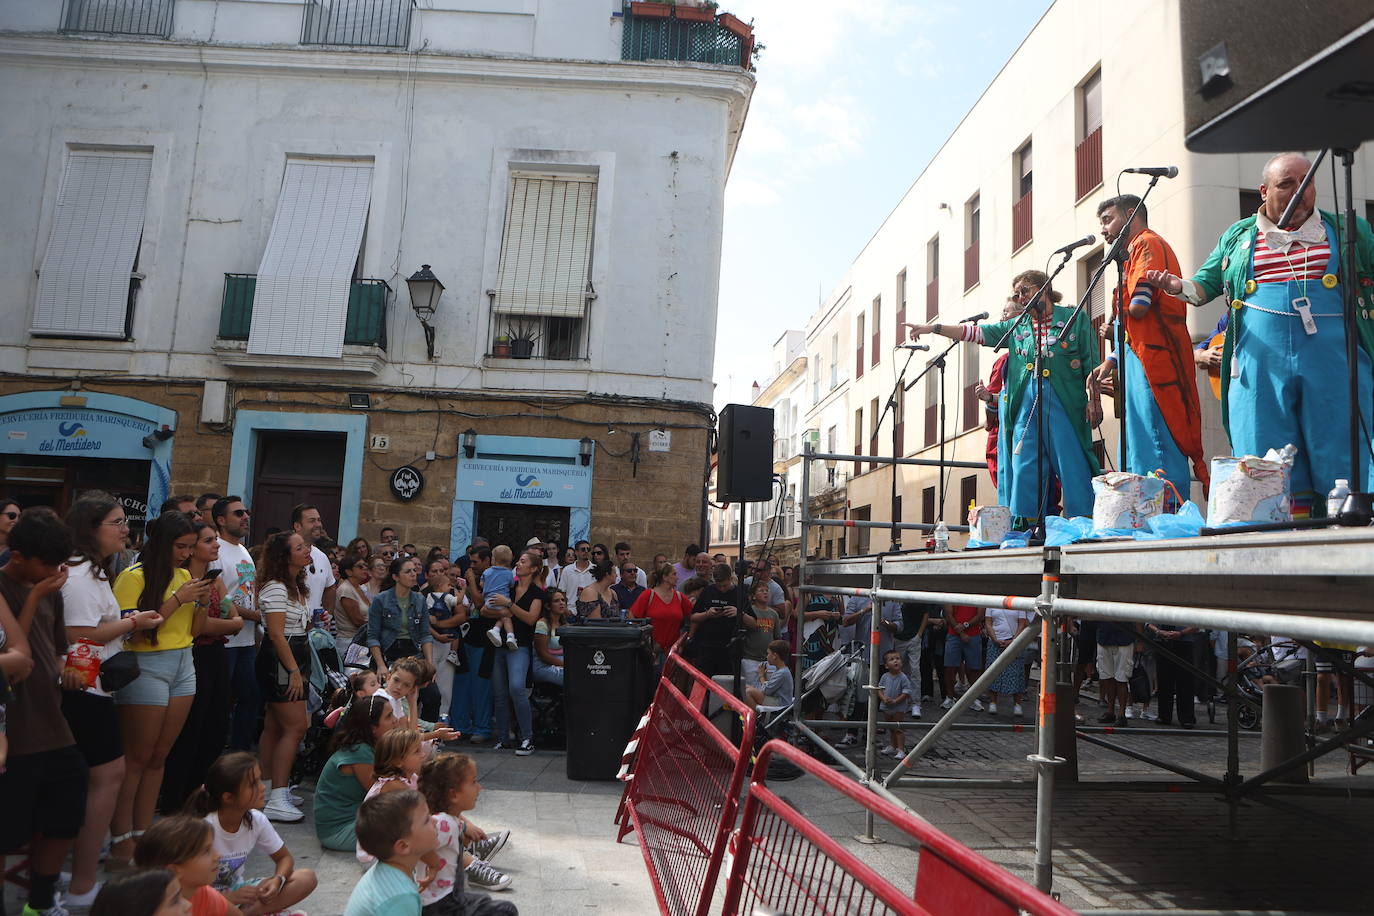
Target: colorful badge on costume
(1329,281)
(1244,244)
(1250,287)
(1074,364)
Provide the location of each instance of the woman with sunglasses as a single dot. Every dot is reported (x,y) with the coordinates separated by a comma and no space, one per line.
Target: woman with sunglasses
(94,624)
(153,708)
(354,600)
(9,514)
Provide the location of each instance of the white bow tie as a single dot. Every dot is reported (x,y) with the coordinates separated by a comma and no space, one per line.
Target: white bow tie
(1281,240)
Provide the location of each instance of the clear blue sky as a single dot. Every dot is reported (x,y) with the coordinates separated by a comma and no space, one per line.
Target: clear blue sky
(854,97)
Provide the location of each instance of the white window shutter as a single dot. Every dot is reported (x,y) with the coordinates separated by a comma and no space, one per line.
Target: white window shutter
(546,248)
(300,306)
(83,285)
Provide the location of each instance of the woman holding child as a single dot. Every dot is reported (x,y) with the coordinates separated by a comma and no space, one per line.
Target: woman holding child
(511,670)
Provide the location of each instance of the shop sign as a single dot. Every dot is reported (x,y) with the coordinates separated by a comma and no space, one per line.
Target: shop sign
(529,482)
(75,432)
(660,440)
(406,483)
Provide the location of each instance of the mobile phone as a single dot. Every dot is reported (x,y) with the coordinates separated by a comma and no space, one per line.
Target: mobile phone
(212,575)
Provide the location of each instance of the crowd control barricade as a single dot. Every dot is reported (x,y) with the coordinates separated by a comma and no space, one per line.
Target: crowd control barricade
(683,794)
(783,863)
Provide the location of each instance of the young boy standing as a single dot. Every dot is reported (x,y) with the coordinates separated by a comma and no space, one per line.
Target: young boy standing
(894,699)
(395,827)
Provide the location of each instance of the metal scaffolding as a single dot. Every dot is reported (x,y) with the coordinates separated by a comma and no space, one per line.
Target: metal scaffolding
(1251,583)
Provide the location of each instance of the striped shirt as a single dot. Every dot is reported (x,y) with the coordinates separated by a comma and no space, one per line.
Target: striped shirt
(1300,262)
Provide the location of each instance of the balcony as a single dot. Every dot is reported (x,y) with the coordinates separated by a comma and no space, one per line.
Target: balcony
(971,266)
(783,448)
(118,17)
(364,327)
(1021,222)
(662,31)
(359,23)
(1087,161)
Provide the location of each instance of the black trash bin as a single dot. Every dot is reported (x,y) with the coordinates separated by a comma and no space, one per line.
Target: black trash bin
(607,681)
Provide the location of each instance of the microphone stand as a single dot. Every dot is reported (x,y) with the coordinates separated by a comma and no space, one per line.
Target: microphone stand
(892,406)
(1359,505)
(938,362)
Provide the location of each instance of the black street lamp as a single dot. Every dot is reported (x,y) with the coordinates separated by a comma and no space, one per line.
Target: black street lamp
(425,290)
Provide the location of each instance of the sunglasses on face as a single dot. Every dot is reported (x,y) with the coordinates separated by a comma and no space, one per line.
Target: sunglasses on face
(11,515)
(241,513)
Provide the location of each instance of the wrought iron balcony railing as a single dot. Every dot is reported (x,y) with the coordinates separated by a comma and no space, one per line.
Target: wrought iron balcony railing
(364,326)
(118,17)
(361,23)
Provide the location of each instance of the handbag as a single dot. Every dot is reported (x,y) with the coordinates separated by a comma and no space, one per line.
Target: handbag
(1139,683)
(119,671)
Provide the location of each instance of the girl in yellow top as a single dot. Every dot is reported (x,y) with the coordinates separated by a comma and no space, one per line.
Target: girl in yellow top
(153,708)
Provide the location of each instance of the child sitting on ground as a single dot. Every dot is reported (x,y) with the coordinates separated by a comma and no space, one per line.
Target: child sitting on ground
(894,699)
(499,579)
(396,759)
(228,802)
(360,684)
(449,784)
(775,680)
(184,845)
(140,892)
(396,829)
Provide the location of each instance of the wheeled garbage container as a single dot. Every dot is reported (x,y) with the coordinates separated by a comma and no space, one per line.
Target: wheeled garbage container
(607,683)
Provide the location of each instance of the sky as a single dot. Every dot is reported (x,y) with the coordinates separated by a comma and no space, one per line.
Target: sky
(854,98)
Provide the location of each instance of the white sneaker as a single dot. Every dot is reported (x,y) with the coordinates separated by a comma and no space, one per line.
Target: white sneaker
(280,809)
(291,794)
(992,709)
(977,705)
(1130,712)
(525,749)
(947,703)
(916,711)
(1016,711)
(494,634)
(511,643)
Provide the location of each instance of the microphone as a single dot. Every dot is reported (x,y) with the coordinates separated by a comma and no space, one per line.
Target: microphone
(913,346)
(1168,171)
(1085,240)
(981,316)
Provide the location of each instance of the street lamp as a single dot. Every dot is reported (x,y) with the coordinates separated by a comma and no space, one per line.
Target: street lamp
(469,441)
(425,290)
(584,450)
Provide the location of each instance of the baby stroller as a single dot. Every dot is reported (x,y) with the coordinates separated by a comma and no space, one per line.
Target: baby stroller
(1278,662)
(834,679)
(326,677)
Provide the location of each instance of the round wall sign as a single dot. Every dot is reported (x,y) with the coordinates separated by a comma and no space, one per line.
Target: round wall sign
(406,483)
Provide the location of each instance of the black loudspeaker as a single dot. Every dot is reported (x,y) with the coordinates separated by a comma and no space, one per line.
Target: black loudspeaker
(1275,75)
(744,449)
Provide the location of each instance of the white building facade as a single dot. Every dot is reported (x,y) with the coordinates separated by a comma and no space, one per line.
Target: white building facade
(1020,176)
(212,209)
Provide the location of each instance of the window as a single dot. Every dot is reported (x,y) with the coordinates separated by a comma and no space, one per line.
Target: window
(972,407)
(834,360)
(1097,304)
(1021,210)
(973,218)
(364,23)
(831,440)
(120,17)
(86,283)
(1088,151)
(932,278)
(968,494)
(300,303)
(901,307)
(543,283)
(859,343)
(859,439)
(928,506)
(874,418)
(899,424)
(861,534)
(1250,202)
(816,380)
(932,412)
(877,325)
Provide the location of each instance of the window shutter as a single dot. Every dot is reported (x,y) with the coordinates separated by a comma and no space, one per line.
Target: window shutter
(83,285)
(300,306)
(546,248)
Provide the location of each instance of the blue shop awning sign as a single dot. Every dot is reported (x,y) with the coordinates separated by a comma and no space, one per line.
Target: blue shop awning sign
(75,432)
(537,483)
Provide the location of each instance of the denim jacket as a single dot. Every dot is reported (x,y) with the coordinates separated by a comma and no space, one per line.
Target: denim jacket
(384,620)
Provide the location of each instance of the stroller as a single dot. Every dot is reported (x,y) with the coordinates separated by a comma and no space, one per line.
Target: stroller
(326,677)
(1277,662)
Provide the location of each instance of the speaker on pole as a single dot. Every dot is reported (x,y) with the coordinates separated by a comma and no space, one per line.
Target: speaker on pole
(744,449)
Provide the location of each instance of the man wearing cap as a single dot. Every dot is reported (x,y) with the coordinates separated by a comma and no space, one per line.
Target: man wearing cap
(1284,376)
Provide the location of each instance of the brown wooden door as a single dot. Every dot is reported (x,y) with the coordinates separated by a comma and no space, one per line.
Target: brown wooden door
(296,468)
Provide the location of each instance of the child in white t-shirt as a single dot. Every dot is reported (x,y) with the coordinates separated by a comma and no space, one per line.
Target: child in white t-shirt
(229,802)
(449,784)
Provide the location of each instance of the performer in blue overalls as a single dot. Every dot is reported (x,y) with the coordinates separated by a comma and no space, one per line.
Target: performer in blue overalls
(1069,354)
(1284,374)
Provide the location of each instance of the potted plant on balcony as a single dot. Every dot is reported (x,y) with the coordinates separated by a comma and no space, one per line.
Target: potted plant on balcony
(500,347)
(694,12)
(522,338)
(650,10)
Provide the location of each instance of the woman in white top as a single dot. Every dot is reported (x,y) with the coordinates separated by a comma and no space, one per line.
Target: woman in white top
(96,631)
(354,599)
(1003,626)
(283,665)
(378,569)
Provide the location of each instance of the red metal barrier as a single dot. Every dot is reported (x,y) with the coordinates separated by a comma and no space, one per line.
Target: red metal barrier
(785,863)
(684,795)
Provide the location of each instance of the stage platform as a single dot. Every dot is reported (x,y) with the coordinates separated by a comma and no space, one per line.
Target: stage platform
(1323,572)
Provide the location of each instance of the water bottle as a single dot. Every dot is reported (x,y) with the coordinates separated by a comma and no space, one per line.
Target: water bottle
(942,537)
(1336,498)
